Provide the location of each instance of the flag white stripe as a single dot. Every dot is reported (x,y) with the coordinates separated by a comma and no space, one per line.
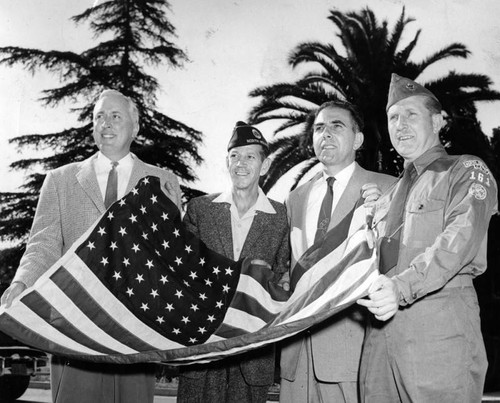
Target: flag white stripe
(243,320)
(254,289)
(72,313)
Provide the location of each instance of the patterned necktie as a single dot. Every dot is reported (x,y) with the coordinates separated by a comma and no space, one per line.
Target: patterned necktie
(111,186)
(389,245)
(325,213)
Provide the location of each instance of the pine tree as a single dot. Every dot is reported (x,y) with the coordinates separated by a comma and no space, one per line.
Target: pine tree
(137,35)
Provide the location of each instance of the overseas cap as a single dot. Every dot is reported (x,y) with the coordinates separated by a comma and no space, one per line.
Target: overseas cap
(402,87)
(245,135)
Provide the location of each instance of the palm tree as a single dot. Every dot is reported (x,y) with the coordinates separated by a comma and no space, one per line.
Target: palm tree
(360,73)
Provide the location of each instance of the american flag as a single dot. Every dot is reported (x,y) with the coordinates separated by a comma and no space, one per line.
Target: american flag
(138,287)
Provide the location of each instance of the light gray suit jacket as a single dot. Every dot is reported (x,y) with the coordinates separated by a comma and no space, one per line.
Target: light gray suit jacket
(70,202)
(336,343)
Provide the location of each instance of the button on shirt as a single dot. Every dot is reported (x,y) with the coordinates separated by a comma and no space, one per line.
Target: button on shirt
(240,226)
(102,166)
(317,194)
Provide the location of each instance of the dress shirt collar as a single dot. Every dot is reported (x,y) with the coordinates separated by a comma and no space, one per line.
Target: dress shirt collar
(103,163)
(262,204)
(343,176)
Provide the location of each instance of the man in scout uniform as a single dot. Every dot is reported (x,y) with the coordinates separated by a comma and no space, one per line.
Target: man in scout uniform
(424,343)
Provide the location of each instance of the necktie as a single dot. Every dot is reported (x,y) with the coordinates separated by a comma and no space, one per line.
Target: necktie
(325,213)
(389,245)
(111,186)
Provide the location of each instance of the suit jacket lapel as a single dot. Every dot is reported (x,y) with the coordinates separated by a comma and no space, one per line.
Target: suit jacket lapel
(222,224)
(87,179)
(349,198)
(257,227)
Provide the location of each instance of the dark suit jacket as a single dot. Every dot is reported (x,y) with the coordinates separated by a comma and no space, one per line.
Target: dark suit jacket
(267,240)
(70,202)
(336,343)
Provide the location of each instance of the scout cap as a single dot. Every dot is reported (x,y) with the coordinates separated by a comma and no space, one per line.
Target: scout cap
(402,87)
(245,135)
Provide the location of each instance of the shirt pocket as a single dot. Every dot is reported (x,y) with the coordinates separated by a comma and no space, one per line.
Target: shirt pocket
(424,222)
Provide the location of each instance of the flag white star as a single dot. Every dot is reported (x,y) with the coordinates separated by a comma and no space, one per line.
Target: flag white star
(90,245)
(145,181)
(208,282)
(136,248)
(176,331)
(176,233)
(171,268)
(193,340)
(101,231)
(153,199)
(154,293)
(164,216)
(178,293)
(113,246)
(165,245)
(111,215)
(225,288)
(202,261)
(117,275)
(194,307)
(144,235)
(126,261)
(157,252)
(211,318)
(193,275)
(130,292)
(140,278)
(203,297)
(104,261)
(188,249)
(122,202)
(150,264)
(159,319)
(185,319)
(186,283)
(219,304)
(229,271)
(134,191)
(164,279)
(202,330)
(170,307)
(178,260)
(144,307)
(216,270)
(122,231)
(154,227)
(133,218)
(143,209)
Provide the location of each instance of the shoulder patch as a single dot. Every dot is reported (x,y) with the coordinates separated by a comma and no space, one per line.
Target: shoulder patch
(478,191)
(476,164)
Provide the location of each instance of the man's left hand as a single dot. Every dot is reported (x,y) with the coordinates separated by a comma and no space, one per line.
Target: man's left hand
(371,193)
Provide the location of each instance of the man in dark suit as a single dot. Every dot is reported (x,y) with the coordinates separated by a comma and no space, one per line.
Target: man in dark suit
(72,198)
(322,366)
(241,222)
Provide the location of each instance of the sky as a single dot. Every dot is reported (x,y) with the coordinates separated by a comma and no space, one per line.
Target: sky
(234,46)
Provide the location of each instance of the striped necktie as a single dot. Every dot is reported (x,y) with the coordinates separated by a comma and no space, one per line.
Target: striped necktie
(325,213)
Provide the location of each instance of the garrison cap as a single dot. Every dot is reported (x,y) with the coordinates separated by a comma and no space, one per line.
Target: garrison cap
(402,87)
(245,135)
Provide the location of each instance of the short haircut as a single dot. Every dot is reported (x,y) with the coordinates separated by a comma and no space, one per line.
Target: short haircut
(433,105)
(132,107)
(356,115)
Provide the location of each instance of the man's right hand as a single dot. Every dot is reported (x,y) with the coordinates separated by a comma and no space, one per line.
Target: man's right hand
(14,290)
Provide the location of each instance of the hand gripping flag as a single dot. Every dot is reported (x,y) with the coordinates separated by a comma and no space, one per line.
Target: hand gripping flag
(138,287)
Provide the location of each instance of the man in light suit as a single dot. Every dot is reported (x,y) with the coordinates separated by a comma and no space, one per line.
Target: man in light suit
(72,198)
(322,365)
(241,222)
